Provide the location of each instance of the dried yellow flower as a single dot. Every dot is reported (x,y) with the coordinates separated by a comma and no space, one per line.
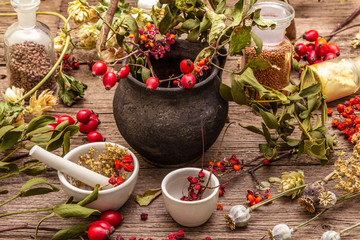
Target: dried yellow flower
(13,94)
(356,42)
(89,35)
(290,180)
(59,42)
(44,103)
(79,11)
(19,120)
(348,171)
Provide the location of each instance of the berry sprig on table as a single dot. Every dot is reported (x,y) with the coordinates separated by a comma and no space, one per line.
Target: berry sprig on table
(347,122)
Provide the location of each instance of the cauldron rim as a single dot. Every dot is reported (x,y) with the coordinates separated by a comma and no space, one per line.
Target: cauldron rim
(214,72)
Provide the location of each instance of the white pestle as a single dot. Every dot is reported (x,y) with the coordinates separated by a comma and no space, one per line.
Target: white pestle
(68,167)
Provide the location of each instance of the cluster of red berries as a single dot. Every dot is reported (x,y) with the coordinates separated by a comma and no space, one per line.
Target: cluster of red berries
(103,228)
(316,50)
(109,78)
(351,121)
(227,165)
(88,124)
(196,187)
(254,197)
(125,164)
(69,63)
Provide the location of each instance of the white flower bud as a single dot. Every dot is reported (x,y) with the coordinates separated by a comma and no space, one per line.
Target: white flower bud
(238,216)
(281,232)
(330,235)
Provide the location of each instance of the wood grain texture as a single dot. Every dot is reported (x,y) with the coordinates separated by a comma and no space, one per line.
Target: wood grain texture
(310,14)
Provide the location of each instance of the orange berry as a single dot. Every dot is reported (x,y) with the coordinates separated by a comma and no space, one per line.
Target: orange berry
(253,203)
(251,198)
(236,167)
(211,163)
(207,60)
(152,45)
(219,207)
(147,45)
(201,63)
(258,199)
(131,36)
(268,197)
(143,38)
(148,25)
(175,82)
(218,164)
(196,69)
(172,36)
(221,192)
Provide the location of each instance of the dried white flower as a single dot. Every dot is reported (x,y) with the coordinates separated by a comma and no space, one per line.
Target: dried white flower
(59,42)
(44,103)
(79,11)
(330,235)
(13,94)
(280,232)
(89,35)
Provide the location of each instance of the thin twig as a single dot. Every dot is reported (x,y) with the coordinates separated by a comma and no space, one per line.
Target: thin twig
(27,226)
(342,30)
(105,28)
(343,24)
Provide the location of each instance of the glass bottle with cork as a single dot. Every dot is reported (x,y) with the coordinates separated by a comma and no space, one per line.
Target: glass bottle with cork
(29,48)
(277,49)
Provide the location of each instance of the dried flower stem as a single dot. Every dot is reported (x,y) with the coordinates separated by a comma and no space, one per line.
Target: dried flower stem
(105,28)
(347,21)
(5,158)
(349,228)
(342,30)
(28,211)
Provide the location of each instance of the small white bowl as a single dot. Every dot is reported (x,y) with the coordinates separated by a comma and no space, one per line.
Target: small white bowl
(108,199)
(189,213)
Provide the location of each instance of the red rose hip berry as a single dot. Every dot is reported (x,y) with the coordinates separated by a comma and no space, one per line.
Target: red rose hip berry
(63,118)
(83,116)
(88,127)
(124,71)
(333,48)
(99,68)
(188,81)
(112,217)
(310,47)
(321,50)
(103,224)
(301,49)
(109,80)
(97,232)
(152,83)
(330,56)
(311,35)
(186,66)
(95,137)
(312,57)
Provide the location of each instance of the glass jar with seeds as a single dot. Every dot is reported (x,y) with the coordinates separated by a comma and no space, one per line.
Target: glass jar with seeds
(113,162)
(29,48)
(277,49)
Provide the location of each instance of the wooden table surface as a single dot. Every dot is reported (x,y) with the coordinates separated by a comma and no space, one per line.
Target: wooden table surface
(310,14)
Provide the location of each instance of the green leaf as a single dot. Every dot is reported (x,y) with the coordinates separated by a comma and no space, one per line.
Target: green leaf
(221,7)
(292,142)
(217,26)
(58,141)
(291,89)
(239,39)
(267,134)
(237,91)
(66,143)
(11,137)
(253,129)
(274,180)
(269,118)
(257,63)
(35,171)
(258,43)
(149,196)
(36,181)
(9,112)
(194,35)
(237,13)
(145,74)
(166,21)
(5,129)
(10,167)
(89,199)
(120,39)
(37,191)
(261,22)
(3,192)
(225,92)
(73,210)
(39,122)
(42,138)
(69,88)
(247,77)
(70,232)
(129,22)
(311,90)
(316,149)
(267,150)
(190,24)
(205,25)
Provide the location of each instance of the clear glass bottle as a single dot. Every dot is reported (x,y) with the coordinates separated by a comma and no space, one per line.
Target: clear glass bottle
(277,49)
(339,77)
(29,48)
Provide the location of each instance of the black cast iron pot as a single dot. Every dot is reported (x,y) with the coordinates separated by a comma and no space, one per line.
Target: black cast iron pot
(164,125)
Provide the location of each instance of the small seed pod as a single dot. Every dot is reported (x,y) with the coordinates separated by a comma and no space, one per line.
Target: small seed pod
(327,199)
(310,197)
(330,235)
(280,232)
(238,216)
